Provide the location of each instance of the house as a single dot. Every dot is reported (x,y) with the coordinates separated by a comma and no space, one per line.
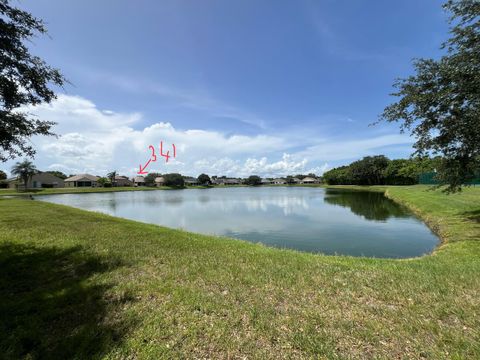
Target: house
(122,181)
(218,181)
(191,181)
(267,182)
(82,180)
(159,181)
(138,181)
(232,182)
(226,181)
(296,181)
(37,181)
(279,181)
(310,180)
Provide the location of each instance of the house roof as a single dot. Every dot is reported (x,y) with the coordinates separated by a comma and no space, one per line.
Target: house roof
(43,174)
(82,177)
(308,178)
(159,179)
(139,179)
(121,177)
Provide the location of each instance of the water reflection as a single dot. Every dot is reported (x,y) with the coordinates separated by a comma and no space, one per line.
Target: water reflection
(370,205)
(308,219)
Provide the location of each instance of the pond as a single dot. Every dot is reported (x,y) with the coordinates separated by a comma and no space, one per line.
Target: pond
(319,220)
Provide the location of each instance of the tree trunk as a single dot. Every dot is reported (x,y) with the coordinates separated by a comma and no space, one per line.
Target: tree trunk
(25,181)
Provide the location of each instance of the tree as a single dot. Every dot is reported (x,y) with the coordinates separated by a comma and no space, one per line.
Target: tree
(103,181)
(24,80)
(174,180)
(204,179)
(150,178)
(440,104)
(253,180)
(24,170)
(395,173)
(290,180)
(3,175)
(58,174)
(339,176)
(111,176)
(369,170)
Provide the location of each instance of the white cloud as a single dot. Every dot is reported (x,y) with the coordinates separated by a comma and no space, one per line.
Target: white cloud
(98,141)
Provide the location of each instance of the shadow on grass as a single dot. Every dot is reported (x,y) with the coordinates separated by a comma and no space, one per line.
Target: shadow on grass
(472,215)
(50,308)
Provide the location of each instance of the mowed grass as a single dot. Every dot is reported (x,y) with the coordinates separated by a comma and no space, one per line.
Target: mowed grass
(77,284)
(69,190)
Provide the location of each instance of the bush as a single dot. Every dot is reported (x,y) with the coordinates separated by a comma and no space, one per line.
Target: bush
(174,180)
(253,180)
(204,179)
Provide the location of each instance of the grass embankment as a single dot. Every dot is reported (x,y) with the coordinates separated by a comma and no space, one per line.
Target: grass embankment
(86,285)
(68,190)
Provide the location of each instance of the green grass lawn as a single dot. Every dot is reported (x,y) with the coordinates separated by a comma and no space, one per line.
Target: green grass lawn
(84,285)
(67,190)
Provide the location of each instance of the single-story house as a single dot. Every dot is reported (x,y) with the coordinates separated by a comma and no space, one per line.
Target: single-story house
(191,181)
(279,181)
(82,180)
(297,181)
(159,181)
(139,181)
(267,182)
(37,181)
(310,180)
(122,181)
(228,181)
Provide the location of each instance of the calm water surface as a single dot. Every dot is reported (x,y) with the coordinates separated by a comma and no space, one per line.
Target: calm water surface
(321,220)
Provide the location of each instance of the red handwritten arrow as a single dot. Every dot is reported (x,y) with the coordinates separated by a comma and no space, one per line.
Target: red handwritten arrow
(142,169)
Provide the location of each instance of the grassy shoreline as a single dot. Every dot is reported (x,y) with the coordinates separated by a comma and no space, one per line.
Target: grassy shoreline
(77,283)
(55,191)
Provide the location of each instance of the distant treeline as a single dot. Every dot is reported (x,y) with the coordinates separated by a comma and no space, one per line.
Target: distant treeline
(380,170)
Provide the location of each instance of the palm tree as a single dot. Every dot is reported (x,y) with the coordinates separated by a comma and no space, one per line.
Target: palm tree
(24,170)
(112,176)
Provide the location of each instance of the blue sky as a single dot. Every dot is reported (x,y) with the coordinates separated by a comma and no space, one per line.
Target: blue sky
(289,84)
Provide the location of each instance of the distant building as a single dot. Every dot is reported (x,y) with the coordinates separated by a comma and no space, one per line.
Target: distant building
(122,181)
(224,181)
(191,181)
(296,181)
(82,180)
(37,181)
(159,181)
(232,182)
(138,181)
(279,181)
(267,182)
(310,180)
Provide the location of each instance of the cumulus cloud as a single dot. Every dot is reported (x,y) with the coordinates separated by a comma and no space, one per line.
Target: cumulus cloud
(97,141)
